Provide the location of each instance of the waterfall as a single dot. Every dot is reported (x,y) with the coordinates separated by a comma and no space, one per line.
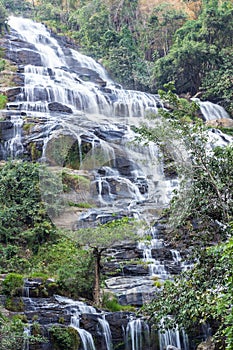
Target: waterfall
(54,82)
(173,337)
(85,336)
(26,288)
(137,335)
(106,332)
(211,111)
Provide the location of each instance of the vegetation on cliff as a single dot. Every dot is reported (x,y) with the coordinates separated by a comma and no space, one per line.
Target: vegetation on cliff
(200,216)
(143,51)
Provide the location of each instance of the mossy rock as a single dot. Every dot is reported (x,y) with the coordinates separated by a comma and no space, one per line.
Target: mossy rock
(64,338)
(14,304)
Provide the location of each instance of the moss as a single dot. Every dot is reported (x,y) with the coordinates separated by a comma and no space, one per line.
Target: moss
(110,303)
(27,127)
(7,74)
(34,152)
(84,205)
(3,101)
(14,304)
(75,182)
(64,338)
(228,131)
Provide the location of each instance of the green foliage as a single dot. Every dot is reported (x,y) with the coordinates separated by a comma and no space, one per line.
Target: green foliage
(99,239)
(12,333)
(3,99)
(12,284)
(200,213)
(2,65)
(23,217)
(110,303)
(64,338)
(73,276)
(3,17)
(198,54)
(217,84)
(74,182)
(17,7)
(105,236)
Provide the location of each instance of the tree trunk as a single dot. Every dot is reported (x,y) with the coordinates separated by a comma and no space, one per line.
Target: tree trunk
(96,290)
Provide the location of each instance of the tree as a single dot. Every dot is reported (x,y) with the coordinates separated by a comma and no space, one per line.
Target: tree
(101,238)
(197,49)
(23,215)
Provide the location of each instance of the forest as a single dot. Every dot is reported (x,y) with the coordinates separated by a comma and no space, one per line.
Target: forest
(178,50)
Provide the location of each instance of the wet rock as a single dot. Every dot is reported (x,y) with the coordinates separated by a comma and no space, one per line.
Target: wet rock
(109,135)
(131,290)
(59,107)
(223,122)
(6,130)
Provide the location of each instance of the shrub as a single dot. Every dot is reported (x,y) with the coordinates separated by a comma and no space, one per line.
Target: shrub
(64,338)
(12,284)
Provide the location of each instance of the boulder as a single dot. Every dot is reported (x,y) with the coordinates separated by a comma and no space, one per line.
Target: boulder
(223,122)
(59,107)
(206,345)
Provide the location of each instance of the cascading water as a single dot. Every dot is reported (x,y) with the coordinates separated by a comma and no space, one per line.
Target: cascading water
(137,335)
(26,335)
(156,267)
(106,332)
(173,338)
(86,337)
(54,82)
(211,111)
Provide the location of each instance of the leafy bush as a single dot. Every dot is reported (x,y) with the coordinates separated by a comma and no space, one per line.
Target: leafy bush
(73,275)
(12,285)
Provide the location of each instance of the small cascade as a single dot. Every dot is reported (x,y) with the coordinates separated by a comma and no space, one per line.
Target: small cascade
(79,306)
(211,111)
(85,336)
(173,337)
(137,335)
(176,256)
(106,333)
(14,146)
(156,267)
(206,331)
(26,288)
(26,335)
